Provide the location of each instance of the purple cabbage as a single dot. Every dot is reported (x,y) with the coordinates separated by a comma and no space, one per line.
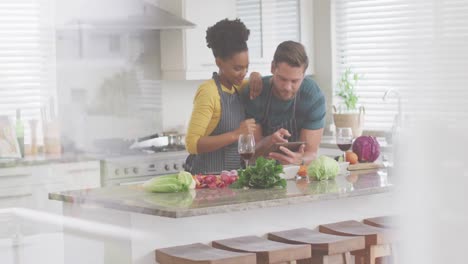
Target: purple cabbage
(367,148)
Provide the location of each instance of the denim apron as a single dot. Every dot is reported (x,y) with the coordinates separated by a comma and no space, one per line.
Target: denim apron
(226,158)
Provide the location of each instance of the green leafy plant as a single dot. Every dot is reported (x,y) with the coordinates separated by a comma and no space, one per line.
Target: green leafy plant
(347,88)
(264,174)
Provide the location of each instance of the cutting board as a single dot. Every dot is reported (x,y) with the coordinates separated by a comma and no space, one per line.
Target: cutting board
(365,166)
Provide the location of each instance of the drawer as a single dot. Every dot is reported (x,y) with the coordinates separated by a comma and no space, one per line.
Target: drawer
(20,196)
(11,177)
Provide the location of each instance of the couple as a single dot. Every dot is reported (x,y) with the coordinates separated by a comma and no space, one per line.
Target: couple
(278,108)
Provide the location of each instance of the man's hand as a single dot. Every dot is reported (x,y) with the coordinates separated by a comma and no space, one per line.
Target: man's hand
(279,136)
(288,157)
(256,84)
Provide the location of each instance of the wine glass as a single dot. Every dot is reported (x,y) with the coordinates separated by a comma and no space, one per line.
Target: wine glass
(246,147)
(344,139)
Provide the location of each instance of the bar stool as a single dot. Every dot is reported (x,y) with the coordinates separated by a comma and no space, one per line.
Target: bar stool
(381,221)
(201,254)
(378,240)
(387,222)
(326,248)
(267,251)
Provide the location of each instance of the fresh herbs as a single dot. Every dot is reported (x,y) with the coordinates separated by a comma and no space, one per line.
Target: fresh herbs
(264,174)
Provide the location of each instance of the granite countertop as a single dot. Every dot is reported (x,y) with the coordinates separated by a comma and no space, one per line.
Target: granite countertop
(133,198)
(43,159)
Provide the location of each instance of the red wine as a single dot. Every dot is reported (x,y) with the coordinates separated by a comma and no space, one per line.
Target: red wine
(344,147)
(246,155)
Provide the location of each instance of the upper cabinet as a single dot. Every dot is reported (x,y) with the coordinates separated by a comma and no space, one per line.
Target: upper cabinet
(185,56)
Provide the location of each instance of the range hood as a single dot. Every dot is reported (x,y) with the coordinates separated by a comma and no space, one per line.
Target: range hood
(152,18)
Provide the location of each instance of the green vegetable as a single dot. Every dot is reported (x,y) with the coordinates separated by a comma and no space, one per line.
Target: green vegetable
(186,178)
(172,200)
(323,168)
(320,187)
(180,182)
(264,174)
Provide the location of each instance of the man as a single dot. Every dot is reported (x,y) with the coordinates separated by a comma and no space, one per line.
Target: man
(289,108)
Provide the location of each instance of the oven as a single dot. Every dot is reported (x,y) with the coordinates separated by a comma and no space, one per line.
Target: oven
(139,167)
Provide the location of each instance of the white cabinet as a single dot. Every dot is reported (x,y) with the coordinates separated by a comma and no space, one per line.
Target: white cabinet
(29,186)
(184,54)
(19,196)
(15,187)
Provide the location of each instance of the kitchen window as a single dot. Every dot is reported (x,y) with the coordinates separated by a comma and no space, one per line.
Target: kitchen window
(27,62)
(417,48)
(270,22)
(372,38)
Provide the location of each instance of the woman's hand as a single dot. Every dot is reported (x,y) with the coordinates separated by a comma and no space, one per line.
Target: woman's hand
(247,126)
(256,84)
(288,157)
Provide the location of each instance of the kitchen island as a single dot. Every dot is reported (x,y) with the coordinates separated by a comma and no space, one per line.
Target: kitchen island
(162,220)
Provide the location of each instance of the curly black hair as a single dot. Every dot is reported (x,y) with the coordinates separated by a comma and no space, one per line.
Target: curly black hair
(227,37)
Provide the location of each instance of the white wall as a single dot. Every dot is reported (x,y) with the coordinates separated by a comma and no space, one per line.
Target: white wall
(177,104)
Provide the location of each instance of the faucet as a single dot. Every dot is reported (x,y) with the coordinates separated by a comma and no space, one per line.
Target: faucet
(396,128)
(397,94)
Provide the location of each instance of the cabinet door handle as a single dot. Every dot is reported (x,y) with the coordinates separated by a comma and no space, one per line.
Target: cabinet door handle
(15,196)
(14,176)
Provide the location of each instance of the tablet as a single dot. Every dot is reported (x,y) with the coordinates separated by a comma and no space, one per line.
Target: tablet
(293,146)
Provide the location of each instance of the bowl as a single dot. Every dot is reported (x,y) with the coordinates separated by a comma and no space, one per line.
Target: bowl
(290,171)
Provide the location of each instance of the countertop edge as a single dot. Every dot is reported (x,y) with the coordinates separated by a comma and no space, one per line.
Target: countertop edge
(181,213)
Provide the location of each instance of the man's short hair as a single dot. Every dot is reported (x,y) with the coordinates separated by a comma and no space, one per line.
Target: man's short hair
(291,52)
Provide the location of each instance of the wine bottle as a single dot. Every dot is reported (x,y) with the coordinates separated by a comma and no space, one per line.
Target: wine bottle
(20,131)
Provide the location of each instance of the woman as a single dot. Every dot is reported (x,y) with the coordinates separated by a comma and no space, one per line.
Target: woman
(218,116)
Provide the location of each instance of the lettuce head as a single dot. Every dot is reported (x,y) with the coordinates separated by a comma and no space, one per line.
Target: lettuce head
(323,168)
(180,182)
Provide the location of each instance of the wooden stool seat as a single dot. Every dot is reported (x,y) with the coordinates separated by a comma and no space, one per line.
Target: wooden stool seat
(378,240)
(201,254)
(381,221)
(373,235)
(267,251)
(326,243)
(326,248)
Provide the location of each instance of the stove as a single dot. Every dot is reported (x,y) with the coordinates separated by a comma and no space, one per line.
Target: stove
(138,167)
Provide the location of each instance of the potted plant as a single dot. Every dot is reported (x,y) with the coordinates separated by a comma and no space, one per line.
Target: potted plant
(348,114)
